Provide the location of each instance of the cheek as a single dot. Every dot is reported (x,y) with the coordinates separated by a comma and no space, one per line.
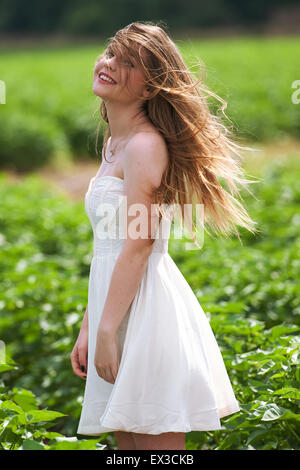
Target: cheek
(136,81)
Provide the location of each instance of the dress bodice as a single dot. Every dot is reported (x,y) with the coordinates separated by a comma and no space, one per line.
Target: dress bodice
(106,209)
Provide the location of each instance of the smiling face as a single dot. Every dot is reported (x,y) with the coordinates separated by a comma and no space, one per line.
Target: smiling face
(117,79)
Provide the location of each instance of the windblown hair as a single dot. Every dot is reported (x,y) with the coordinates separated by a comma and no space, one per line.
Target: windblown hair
(200,147)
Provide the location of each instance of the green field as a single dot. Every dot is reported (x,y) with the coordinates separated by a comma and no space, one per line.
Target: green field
(249,291)
(51,111)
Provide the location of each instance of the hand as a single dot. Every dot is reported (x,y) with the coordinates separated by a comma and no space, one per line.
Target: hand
(79,355)
(106,358)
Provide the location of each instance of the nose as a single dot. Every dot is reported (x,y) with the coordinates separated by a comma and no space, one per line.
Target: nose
(109,62)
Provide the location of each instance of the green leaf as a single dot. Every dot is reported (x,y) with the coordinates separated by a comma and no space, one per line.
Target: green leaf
(272,412)
(5,367)
(25,398)
(288,392)
(257,434)
(35,416)
(30,444)
(73,443)
(10,405)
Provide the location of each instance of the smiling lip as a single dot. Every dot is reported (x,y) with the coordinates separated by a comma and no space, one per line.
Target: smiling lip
(104,81)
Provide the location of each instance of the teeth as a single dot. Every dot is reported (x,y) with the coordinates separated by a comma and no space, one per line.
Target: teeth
(106,78)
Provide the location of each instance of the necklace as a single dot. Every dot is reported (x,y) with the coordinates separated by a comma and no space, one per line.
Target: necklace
(113,151)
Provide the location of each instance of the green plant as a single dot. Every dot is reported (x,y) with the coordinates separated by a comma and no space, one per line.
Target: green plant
(249,292)
(23,426)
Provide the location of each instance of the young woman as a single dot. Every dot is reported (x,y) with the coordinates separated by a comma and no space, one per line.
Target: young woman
(152,366)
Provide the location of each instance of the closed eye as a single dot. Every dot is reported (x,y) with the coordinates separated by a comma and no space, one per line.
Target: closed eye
(126,62)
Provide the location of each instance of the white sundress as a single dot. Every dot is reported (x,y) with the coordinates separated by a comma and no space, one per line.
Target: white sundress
(171,376)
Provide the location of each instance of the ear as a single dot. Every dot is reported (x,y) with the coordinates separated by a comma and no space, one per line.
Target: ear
(146,92)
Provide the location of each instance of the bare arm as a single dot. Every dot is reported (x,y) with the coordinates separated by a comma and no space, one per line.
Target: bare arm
(85,321)
(79,354)
(126,277)
(145,163)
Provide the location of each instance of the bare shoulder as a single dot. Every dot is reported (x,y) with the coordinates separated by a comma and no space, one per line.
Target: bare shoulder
(146,157)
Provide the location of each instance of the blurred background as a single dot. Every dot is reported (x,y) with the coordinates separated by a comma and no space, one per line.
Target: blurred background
(48,122)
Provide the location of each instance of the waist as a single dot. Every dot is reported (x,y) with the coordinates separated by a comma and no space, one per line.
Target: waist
(102,250)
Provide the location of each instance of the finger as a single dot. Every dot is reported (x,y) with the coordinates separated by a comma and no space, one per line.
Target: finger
(110,377)
(77,370)
(74,359)
(114,372)
(100,372)
(105,374)
(76,365)
(82,355)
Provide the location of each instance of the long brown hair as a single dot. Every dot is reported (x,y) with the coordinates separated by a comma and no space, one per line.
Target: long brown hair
(200,147)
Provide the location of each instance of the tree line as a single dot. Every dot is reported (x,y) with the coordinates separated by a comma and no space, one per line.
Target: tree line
(94,17)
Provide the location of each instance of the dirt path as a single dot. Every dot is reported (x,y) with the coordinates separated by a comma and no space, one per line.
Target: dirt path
(73,182)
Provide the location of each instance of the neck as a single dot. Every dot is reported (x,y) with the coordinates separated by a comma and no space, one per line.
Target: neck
(124,120)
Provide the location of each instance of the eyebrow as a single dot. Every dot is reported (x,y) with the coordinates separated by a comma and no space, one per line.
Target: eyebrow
(109,49)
